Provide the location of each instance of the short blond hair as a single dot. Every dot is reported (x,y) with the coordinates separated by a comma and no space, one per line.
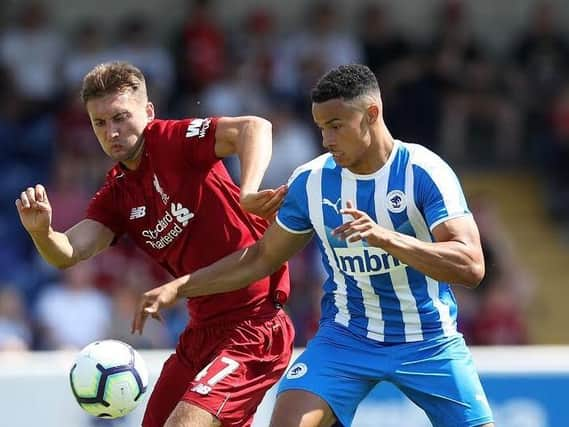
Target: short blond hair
(112,77)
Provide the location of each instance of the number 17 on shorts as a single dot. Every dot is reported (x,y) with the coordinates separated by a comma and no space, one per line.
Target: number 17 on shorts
(215,371)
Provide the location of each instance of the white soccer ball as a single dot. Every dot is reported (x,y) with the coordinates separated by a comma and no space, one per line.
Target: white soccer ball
(108,378)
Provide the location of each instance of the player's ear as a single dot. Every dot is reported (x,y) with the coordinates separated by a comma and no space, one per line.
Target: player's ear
(372,113)
(150,111)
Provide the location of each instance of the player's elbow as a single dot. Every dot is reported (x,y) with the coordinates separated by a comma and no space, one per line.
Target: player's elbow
(260,126)
(261,122)
(474,274)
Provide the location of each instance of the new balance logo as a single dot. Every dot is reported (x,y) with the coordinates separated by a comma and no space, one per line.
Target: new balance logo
(138,212)
(198,127)
(336,206)
(194,128)
(201,389)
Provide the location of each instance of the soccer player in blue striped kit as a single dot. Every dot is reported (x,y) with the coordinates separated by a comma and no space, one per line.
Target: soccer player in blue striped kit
(395,232)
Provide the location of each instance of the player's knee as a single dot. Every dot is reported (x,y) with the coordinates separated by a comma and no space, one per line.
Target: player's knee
(186,415)
(176,419)
(301,409)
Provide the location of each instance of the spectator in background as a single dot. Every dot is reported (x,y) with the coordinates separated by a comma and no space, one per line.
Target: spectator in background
(136,43)
(384,50)
(294,143)
(555,149)
(479,125)
(496,314)
(72,313)
(541,55)
(87,48)
(254,45)
(200,49)
(234,94)
(15,331)
(69,189)
(124,301)
(411,95)
(26,141)
(33,51)
(321,44)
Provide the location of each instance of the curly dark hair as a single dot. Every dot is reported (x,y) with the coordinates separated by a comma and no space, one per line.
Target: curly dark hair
(346,82)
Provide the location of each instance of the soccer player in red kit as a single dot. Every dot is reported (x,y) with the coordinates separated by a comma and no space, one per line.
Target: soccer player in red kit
(171,194)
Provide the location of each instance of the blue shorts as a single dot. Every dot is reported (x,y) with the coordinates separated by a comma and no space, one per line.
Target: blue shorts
(437,374)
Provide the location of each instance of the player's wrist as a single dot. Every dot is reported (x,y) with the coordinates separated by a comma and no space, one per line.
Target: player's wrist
(41,233)
(178,287)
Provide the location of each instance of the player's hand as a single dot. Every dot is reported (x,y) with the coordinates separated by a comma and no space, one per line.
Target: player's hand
(362,227)
(34,209)
(264,203)
(151,303)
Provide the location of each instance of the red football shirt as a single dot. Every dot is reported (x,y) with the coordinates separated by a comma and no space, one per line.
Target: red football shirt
(182,208)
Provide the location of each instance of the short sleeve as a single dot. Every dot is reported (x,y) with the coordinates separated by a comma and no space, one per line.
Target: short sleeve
(293,215)
(192,140)
(438,193)
(103,208)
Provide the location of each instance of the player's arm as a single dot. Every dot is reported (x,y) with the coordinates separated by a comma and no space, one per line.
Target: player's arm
(233,272)
(454,257)
(246,265)
(82,241)
(250,137)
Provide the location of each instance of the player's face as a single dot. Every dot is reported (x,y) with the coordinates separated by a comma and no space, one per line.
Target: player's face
(118,121)
(345,133)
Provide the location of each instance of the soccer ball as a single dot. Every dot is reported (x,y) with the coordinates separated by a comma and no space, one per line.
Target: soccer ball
(108,378)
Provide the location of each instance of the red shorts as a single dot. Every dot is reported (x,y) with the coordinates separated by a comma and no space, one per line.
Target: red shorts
(225,370)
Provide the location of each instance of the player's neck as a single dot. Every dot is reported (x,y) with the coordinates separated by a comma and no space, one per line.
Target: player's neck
(379,151)
(384,144)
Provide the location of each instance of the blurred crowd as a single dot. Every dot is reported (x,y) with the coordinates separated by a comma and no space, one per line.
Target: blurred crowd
(476,108)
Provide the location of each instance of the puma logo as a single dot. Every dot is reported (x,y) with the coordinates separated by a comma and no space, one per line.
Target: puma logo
(336,206)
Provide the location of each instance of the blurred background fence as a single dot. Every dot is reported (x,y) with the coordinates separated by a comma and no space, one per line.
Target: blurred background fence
(525,386)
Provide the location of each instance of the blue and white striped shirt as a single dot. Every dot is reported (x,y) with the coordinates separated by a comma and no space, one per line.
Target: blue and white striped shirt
(368,290)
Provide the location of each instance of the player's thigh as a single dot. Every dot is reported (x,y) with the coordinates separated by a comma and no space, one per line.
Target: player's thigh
(187,415)
(167,392)
(299,408)
(250,359)
(339,374)
(442,380)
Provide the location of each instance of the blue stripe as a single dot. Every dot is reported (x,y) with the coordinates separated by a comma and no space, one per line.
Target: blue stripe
(365,190)
(294,210)
(429,198)
(396,181)
(430,317)
(331,191)
(381,283)
(447,297)
(390,304)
